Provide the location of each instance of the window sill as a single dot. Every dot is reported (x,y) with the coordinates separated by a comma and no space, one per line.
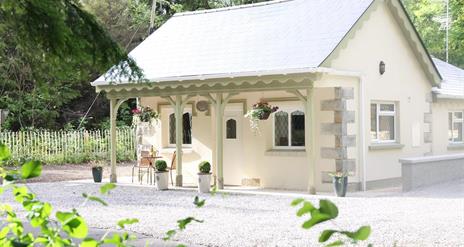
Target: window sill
(455,146)
(385,146)
(286,152)
(170,150)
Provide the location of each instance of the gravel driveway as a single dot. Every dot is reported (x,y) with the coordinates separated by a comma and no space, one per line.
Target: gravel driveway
(246,219)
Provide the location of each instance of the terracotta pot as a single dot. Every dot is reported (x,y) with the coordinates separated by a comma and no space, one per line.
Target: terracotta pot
(204,182)
(162,180)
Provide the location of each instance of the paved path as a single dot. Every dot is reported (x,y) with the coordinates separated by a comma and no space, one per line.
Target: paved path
(428,217)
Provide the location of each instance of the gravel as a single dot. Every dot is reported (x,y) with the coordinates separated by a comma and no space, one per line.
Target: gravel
(427,217)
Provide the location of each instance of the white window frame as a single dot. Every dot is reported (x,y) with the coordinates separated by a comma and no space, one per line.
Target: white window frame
(453,121)
(171,145)
(380,113)
(289,111)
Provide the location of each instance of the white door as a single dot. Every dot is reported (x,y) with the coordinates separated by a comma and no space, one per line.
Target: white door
(233,148)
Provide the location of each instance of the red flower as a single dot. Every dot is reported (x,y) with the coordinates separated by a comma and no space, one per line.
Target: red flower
(136,111)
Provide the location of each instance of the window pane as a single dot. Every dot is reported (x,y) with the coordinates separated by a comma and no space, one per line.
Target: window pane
(457,132)
(172,129)
(387,107)
(281,128)
(386,128)
(458,115)
(187,128)
(450,126)
(374,121)
(298,130)
(231,129)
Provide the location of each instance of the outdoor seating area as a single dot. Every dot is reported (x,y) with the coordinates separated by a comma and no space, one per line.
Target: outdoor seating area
(147,155)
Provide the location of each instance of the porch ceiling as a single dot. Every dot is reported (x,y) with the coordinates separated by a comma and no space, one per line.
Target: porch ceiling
(198,86)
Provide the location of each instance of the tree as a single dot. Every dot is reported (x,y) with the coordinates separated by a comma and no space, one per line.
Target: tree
(49,49)
(429,16)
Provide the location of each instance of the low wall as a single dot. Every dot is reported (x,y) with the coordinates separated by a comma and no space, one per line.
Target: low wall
(428,170)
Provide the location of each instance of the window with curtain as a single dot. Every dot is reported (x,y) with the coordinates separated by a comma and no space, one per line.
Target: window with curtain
(456,126)
(383,122)
(186,127)
(289,129)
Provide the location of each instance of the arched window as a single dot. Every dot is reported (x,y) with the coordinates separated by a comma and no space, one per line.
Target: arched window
(186,128)
(231,129)
(289,129)
(281,129)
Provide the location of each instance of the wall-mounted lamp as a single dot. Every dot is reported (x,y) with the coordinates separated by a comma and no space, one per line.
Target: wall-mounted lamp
(381,67)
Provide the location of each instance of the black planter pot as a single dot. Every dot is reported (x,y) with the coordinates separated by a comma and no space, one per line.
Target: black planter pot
(97,173)
(340,185)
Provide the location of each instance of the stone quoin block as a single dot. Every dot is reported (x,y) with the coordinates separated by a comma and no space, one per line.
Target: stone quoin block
(333,129)
(333,105)
(344,93)
(334,153)
(344,117)
(345,141)
(347,165)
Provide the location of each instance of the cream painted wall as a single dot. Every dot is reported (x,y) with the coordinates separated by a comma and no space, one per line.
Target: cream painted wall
(381,39)
(440,109)
(285,169)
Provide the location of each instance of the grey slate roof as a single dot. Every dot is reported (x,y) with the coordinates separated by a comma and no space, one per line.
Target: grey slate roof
(276,35)
(452,85)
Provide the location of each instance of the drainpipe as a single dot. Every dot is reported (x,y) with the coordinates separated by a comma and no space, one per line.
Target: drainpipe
(361,115)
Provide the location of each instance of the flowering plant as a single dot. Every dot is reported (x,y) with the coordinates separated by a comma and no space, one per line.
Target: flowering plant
(260,111)
(144,114)
(338,174)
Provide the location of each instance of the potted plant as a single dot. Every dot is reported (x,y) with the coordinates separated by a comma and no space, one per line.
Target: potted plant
(204,177)
(97,173)
(144,116)
(340,183)
(161,175)
(260,111)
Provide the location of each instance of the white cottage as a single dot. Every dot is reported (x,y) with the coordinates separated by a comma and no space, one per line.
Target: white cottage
(355,87)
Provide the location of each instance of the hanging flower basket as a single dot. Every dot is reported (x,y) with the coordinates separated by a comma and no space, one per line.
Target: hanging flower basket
(260,111)
(144,116)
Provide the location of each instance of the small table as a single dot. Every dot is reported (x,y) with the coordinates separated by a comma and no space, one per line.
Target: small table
(151,160)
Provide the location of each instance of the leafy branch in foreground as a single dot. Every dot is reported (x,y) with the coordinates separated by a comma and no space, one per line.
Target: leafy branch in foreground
(64,230)
(182,223)
(327,211)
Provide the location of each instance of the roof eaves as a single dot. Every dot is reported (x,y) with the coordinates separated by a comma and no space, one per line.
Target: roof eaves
(243,6)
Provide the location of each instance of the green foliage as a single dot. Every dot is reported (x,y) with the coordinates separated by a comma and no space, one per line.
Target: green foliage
(327,211)
(204,167)
(105,189)
(69,225)
(427,16)
(161,166)
(50,50)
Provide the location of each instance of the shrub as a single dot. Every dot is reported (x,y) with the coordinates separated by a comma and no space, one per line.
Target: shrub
(161,166)
(204,167)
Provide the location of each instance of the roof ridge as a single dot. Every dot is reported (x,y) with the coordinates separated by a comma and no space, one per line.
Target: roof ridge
(243,6)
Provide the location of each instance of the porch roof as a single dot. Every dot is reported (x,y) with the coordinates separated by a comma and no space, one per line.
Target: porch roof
(251,39)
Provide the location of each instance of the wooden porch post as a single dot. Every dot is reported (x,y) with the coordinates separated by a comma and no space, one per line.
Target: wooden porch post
(310,130)
(114,105)
(220,103)
(178,113)
(310,133)
(179,104)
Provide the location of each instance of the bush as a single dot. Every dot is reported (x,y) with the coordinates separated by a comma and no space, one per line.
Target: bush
(204,167)
(161,166)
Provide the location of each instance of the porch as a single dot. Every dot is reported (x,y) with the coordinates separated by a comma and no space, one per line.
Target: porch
(323,104)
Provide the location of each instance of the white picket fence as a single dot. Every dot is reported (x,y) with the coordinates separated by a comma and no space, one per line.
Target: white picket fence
(75,146)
